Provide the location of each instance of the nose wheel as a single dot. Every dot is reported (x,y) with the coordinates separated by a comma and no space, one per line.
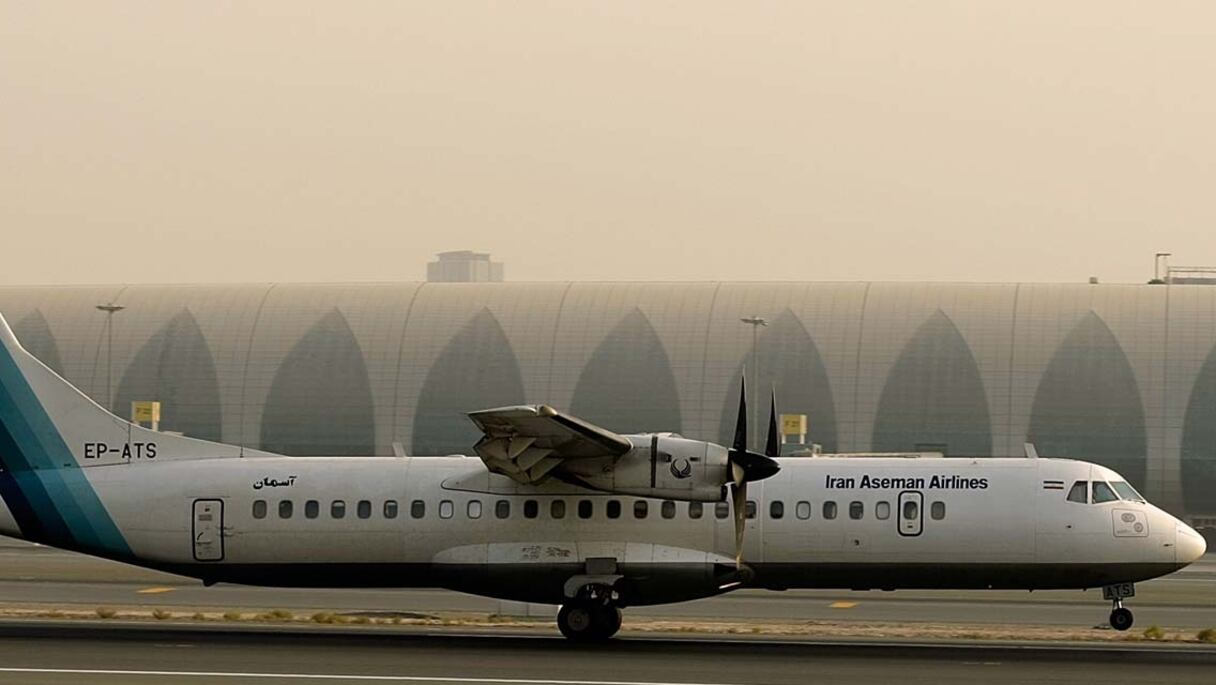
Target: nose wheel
(1120,617)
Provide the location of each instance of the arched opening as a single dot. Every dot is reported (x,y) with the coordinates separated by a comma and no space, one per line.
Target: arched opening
(476,370)
(934,398)
(628,386)
(320,402)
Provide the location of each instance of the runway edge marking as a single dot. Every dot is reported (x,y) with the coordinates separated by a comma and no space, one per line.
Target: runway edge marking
(335,676)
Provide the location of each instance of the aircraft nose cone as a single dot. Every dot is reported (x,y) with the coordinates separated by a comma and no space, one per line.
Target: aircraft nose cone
(1190,545)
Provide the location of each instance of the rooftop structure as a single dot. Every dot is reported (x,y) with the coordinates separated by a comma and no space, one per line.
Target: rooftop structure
(464,266)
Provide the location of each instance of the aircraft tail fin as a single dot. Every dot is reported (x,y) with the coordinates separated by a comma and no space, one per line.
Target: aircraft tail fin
(46,423)
(50,434)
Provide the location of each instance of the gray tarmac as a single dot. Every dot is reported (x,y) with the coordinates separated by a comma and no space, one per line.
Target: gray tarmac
(49,653)
(34,575)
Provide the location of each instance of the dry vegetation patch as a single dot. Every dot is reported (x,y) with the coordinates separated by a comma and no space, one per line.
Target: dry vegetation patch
(827,630)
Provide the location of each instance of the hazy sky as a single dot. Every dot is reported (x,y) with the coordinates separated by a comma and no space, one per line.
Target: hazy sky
(328,141)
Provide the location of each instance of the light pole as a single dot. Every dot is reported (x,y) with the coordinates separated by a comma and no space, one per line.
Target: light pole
(755,322)
(110,309)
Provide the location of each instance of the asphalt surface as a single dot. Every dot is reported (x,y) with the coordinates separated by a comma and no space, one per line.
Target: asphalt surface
(106,654)
(36,575)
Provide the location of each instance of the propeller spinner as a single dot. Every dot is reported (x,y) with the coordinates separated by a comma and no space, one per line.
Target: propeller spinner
(748,466)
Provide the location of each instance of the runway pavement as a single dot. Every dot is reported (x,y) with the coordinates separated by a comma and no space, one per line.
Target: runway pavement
(39,575)
(126,654)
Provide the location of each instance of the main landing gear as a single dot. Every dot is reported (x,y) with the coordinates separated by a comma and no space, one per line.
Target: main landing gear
(591,617)
(1120,617)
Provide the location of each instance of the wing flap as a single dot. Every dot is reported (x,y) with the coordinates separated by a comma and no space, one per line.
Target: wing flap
(527,443)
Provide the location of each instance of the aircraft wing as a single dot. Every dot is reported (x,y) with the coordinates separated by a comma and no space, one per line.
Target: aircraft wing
(527,442)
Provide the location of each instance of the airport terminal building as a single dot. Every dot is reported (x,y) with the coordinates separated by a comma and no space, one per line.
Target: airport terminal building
(1123,375)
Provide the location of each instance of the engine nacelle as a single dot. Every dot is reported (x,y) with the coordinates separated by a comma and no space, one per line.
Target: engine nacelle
(660,465)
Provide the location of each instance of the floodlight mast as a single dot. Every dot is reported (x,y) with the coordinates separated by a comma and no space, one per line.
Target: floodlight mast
(755,322)
(110,309)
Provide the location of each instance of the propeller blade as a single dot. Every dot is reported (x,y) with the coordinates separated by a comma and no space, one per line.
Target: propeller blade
(747,466)
(740,443)
(738,474)
(739,504)
(772,447)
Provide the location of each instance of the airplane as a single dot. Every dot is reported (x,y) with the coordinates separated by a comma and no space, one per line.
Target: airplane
(556,510)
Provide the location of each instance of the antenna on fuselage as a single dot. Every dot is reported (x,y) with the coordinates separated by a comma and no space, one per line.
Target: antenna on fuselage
(1031,451)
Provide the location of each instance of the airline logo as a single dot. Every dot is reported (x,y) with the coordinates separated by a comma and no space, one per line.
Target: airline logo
(681,468)
(1130,523)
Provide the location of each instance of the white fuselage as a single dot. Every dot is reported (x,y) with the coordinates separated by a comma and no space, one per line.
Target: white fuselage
(855,523)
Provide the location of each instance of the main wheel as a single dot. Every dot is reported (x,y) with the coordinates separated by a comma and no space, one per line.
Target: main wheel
(577,622)
(1121,619)
(607,621)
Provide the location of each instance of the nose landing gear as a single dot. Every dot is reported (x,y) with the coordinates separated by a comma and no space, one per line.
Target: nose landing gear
(1120,617)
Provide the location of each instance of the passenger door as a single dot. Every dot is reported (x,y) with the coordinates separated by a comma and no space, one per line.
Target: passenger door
(911,513)
(208,530)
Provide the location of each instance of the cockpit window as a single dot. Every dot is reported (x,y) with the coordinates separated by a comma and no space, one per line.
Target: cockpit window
(1126,491)
(1103,493)
(1079,492)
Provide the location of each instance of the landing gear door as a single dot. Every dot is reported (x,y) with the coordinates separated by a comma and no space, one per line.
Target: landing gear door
(911,513)
(208,530)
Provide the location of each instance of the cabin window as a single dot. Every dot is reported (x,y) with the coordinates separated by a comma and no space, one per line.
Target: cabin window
(417,509)
(502,509)
(531,508)
(446,509)
(803,510)
(364,509)
(911,510)
(312,509)
(1103,493)
(882,510)
(937,511)
(337,509)
(474,509)
(390,509)
(557,509)
(667,509)
(614,509)
(829,510)
(640,509)
(721,510)
(1079,492)
(696,510)
(285,508)
(750,509)
(856,510)
(585,509)
(776,509)
(259,508)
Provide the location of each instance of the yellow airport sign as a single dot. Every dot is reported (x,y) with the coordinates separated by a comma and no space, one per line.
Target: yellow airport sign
(793,424)
(145,412)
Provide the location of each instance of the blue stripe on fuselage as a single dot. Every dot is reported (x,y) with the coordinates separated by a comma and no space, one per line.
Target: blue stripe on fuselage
(47,527)
(42,483)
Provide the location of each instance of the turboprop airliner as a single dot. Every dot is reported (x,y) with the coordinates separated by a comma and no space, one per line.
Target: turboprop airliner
(553,509)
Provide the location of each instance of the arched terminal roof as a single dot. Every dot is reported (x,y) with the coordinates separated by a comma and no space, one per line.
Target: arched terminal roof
(1117,374)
